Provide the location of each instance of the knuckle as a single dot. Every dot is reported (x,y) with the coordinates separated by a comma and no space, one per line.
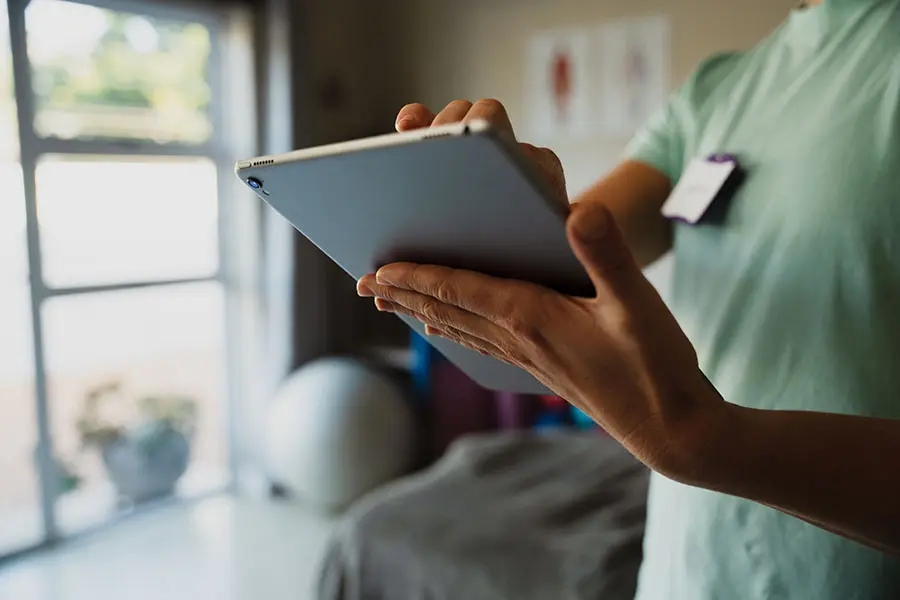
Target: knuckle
(618,264)
(421,279)
(431,310)
(528,325)
(553,160)
(482,296)
(433,281)
(387,293)
(551,156)
(552,164)
(529,150)
(548,162)
(444,291)
(521,328)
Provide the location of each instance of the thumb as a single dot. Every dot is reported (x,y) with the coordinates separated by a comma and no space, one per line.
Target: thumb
(600,247)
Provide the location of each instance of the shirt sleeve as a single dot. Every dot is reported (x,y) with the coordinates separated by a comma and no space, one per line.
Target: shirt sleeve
(661,142)
(666,141)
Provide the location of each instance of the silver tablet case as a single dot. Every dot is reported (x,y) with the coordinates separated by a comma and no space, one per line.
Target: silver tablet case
(460,195)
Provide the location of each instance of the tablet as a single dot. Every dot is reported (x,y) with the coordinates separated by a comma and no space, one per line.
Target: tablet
(461,195)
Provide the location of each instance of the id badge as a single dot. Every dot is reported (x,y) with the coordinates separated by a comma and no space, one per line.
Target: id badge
(701,183)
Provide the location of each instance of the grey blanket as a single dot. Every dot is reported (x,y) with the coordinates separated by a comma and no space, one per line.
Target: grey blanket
(501,516)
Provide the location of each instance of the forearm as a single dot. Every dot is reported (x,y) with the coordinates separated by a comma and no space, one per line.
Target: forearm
(634,193)
(835,471)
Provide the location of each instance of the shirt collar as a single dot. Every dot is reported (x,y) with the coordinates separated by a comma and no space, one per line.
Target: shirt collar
(811,25)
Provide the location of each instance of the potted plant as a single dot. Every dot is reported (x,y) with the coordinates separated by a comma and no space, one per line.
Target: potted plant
(144,441)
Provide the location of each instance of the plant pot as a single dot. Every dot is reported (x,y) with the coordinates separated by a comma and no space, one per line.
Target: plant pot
(146,463)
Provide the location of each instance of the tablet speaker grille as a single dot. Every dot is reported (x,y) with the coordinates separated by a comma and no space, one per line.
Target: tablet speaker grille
(435,135)
(262,163)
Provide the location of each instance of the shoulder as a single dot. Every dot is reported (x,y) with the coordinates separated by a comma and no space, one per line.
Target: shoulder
(723,73)
(713,75)
(717,67)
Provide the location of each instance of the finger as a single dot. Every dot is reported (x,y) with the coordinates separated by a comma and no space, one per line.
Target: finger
(438,313)
(451,333)
(413,116)
(599,246)
(431,330)
(364,286)
(488,297)
(452,113)
(550,165)
(455,335)
(480,346)
(493,112)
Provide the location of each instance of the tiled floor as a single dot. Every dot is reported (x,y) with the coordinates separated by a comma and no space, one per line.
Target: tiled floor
(222,548)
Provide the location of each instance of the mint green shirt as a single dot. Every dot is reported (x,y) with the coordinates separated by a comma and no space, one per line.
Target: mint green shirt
(793,301)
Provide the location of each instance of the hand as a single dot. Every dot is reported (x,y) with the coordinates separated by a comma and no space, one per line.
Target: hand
(417,116)
(620,356)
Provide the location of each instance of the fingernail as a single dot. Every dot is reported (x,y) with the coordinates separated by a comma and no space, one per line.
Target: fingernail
(383,305)
(401,123)
(591,222)
(364,291)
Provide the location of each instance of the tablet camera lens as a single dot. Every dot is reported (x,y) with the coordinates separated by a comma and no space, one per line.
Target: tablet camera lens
(255,183)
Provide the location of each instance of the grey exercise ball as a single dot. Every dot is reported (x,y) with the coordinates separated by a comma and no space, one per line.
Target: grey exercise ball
(337,429)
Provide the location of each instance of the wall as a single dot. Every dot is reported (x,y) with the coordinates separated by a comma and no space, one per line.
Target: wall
(356,62)
(474,49)
(346,69)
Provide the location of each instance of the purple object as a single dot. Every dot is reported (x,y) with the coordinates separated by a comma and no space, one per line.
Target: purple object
(723,158)
(458,406)
(516,411)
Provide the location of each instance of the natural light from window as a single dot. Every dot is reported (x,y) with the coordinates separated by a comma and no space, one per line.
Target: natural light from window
(104,74)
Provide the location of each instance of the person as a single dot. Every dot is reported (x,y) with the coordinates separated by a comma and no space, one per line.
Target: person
(786,307)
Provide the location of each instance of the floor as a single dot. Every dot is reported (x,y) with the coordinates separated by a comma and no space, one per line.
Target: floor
(91,504)
(222,548)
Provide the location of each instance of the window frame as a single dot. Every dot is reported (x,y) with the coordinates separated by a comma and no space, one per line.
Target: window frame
(230,31)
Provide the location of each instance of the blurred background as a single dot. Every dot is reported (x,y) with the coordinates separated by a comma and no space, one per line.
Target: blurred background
(148,300)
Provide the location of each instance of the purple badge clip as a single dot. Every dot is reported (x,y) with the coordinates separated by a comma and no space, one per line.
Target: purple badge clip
(723,158)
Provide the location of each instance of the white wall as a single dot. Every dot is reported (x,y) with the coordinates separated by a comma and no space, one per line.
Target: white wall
(476,48)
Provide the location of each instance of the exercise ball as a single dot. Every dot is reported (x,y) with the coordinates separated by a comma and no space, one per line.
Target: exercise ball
(337,429)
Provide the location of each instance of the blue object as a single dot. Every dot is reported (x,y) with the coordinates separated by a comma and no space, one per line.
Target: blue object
(551,419)
(581,420)
(423,355)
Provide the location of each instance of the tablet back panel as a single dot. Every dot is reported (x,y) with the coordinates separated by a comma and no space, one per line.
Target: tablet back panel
(464,200)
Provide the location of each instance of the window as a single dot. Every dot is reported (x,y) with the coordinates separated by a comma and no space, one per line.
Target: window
(136,218)
(113,259)
(19,494)
(99,73)
(151,340)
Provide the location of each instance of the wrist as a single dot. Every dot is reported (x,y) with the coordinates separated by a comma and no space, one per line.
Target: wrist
(702,441)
